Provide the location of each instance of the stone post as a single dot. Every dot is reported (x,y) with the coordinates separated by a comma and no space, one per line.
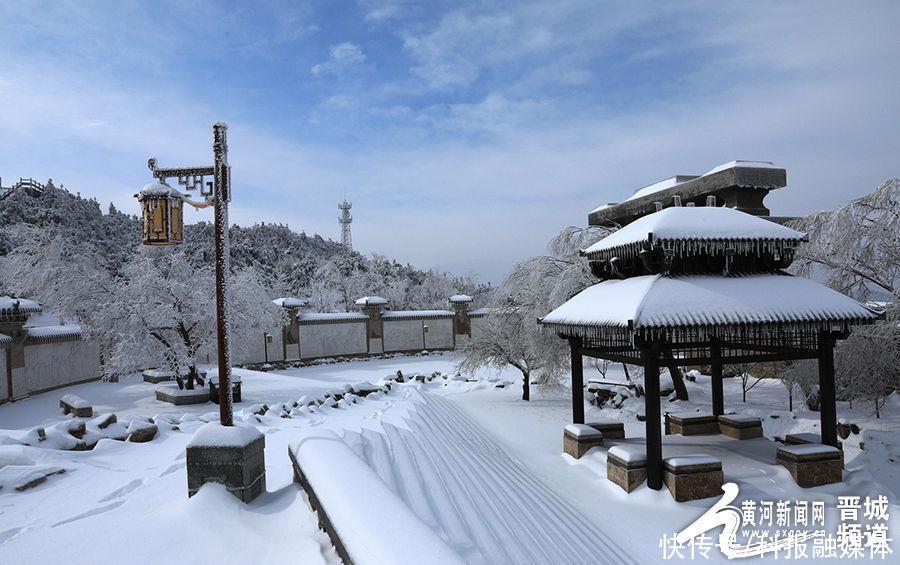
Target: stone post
(233,456)
(372,306)
(462,323)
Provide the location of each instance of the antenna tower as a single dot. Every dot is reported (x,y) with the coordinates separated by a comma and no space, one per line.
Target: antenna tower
(345,220)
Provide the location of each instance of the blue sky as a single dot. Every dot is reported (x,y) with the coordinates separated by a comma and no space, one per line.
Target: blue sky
(465,133)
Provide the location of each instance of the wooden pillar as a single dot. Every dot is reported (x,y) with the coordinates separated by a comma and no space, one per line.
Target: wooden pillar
(827,400)
(718,397)
(650,355)
(577,381)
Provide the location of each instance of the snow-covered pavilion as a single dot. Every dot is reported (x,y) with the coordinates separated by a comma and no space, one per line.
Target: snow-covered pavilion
(705,286)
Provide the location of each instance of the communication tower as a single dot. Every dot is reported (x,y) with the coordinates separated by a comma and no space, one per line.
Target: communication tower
(345,220)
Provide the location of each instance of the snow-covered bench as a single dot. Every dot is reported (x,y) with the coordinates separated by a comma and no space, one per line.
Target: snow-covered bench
(691,477)
(738,426)
(579,438)
(626,465)
(611,429)
(328,469)
(76,405)
(811,464)
(691,424)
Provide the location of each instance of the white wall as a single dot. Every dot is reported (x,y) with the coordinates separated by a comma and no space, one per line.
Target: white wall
(403,335)
(4,386)
(257,348)
(325,340)
(440,333)
(51,365)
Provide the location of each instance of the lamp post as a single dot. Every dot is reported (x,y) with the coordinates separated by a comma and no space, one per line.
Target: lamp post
(161,205)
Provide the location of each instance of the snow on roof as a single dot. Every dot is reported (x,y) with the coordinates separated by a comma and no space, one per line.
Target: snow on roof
(24,305)
(739,163)
(5,340)
(657,301)
(158,189)
(457,298)
(478,312)
(658,186)
(290,302)
(371,300)
(603,207)
(415,314)
(707,223)
(54,333)
(307,318)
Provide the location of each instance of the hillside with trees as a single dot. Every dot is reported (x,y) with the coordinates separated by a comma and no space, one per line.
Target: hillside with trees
(287,263)
(154,306)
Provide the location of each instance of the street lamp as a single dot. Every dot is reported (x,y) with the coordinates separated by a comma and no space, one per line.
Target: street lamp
(161,207)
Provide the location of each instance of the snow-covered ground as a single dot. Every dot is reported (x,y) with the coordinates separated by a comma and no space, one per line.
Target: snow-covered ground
(475,464)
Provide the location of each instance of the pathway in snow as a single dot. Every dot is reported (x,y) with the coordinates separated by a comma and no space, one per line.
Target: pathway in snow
(485,504)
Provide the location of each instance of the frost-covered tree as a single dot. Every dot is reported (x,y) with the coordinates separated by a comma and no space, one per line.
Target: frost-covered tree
(855,247)
(867,364)
(252,312)
(510,334)
(165,314)
(67,276)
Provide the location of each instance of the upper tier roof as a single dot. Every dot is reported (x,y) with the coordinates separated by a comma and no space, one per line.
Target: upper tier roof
(740,184)
(22,305)
(371,301)
(659,301)
(677,227)
(290,302)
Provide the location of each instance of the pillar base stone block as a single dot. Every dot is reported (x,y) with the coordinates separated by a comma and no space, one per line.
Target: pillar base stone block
(812,464)
(579,438)
(692,477)
(626,466)
(230,455)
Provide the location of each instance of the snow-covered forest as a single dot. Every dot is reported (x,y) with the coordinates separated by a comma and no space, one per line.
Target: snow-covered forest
(147,306)
(68,230)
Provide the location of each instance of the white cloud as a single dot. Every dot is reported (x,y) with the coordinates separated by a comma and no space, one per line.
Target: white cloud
(343,56)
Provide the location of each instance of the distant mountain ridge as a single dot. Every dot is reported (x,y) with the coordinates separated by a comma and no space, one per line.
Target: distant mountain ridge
(287,262)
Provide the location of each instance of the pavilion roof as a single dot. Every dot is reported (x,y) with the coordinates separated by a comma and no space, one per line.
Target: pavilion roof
(23,305)
(660,301)
(680,228)
(371,301)
(290,302)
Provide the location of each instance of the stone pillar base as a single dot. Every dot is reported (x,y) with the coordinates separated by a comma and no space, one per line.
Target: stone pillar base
(233,456)
(579,438)
(692,477)
(626,466)
(691,425)
(740,427)
(811,465)
(610,429)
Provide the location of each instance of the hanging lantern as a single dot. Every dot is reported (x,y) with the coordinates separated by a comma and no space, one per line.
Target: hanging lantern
(161,206)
